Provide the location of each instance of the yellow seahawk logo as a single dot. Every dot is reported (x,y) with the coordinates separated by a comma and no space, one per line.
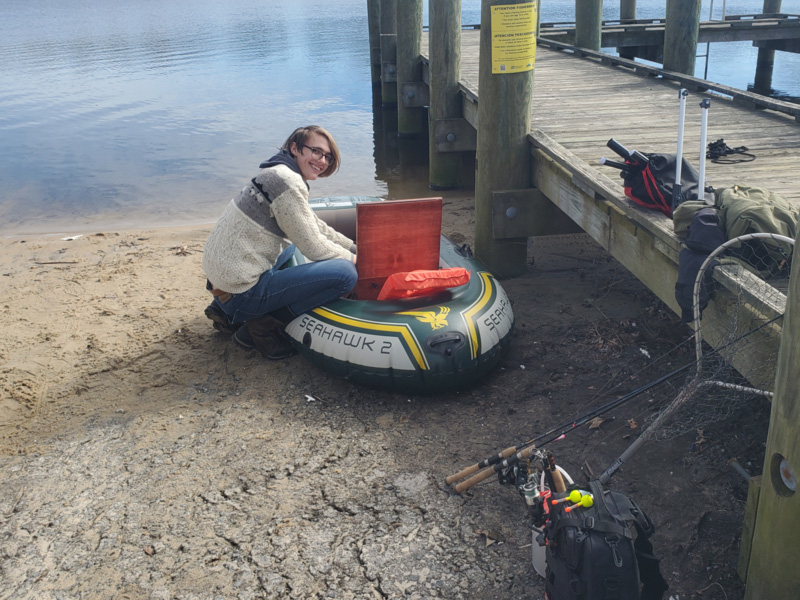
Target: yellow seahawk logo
(437,321)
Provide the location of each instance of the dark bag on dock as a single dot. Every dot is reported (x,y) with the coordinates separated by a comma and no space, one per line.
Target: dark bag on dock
(601,552)
(650,185)
(703,235)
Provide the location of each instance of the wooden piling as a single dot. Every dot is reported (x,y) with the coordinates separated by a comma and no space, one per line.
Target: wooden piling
(374,22)
(775,546)
(409,68)
(388,20)
(444,18)
(503,152)
(766,56)
(680,35)
(588,24)
(627,12)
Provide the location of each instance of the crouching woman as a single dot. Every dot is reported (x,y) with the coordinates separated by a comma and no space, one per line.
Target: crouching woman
(244,259)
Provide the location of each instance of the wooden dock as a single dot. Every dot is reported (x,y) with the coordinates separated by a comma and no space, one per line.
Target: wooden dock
(581,99)
(781,31)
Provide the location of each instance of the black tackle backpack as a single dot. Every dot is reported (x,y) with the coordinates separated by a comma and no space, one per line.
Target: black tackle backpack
(650,184)
(601,552)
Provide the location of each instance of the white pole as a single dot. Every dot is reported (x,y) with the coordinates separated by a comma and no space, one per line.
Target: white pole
(676,190)
(701,184)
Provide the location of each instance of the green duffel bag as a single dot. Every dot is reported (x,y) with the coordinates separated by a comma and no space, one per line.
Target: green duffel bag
(744,209)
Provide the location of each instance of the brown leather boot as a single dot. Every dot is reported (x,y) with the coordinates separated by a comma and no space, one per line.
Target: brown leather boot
(264,334)
(219,319)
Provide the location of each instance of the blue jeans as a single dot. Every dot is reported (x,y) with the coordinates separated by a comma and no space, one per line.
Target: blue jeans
(300,288)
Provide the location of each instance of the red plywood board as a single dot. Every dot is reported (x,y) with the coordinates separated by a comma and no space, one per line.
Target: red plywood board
(393,237)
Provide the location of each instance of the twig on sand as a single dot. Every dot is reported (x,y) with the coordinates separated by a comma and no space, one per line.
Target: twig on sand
(714,583)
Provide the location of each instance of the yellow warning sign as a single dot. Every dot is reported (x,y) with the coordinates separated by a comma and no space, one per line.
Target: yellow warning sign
(513,37)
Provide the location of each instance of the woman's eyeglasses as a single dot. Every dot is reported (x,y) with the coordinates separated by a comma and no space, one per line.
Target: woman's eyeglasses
(319,153)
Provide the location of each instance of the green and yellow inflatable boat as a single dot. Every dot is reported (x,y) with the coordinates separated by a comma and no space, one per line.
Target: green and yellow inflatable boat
(428,344)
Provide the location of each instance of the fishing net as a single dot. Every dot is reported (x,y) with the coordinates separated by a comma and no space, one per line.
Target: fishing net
(741,327)
(736,339)
(728,362)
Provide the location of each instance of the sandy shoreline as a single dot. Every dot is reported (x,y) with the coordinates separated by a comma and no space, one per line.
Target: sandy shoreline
(76,307)
(146,456)
(91,303)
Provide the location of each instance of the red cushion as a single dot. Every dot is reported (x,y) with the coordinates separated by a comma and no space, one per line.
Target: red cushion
(420,283)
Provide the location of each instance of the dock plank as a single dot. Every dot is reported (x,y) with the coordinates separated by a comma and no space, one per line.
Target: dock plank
(581,103)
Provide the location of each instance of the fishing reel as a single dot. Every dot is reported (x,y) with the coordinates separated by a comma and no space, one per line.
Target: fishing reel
(526,477)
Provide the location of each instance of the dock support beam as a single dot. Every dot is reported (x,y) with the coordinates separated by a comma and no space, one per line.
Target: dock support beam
(766,56)
(773,571)
(444,17)
(409,68)
(680,35)
(588,24)
(374,21)
(503,153)
(388,52)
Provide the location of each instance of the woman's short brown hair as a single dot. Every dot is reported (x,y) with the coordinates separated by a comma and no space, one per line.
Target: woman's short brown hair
(300,137)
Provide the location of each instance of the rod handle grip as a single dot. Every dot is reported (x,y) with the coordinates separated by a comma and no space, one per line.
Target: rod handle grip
(558,481)
(461,474)
(478,466)
(488,472)
(475,479)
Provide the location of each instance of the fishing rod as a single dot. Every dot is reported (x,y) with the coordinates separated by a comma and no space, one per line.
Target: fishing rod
(526,451)
(648,434)
(513,449)
(682,398)
(512,455)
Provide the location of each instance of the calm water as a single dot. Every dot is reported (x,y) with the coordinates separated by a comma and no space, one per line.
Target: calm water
(155,112)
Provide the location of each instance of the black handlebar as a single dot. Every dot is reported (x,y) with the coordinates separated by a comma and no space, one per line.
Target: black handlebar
(615,164)
(619,148)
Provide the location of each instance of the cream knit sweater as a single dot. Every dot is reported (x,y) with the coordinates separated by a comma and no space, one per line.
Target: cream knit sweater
(252,232)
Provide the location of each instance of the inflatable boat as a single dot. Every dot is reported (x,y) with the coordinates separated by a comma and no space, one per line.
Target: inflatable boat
(433,343)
